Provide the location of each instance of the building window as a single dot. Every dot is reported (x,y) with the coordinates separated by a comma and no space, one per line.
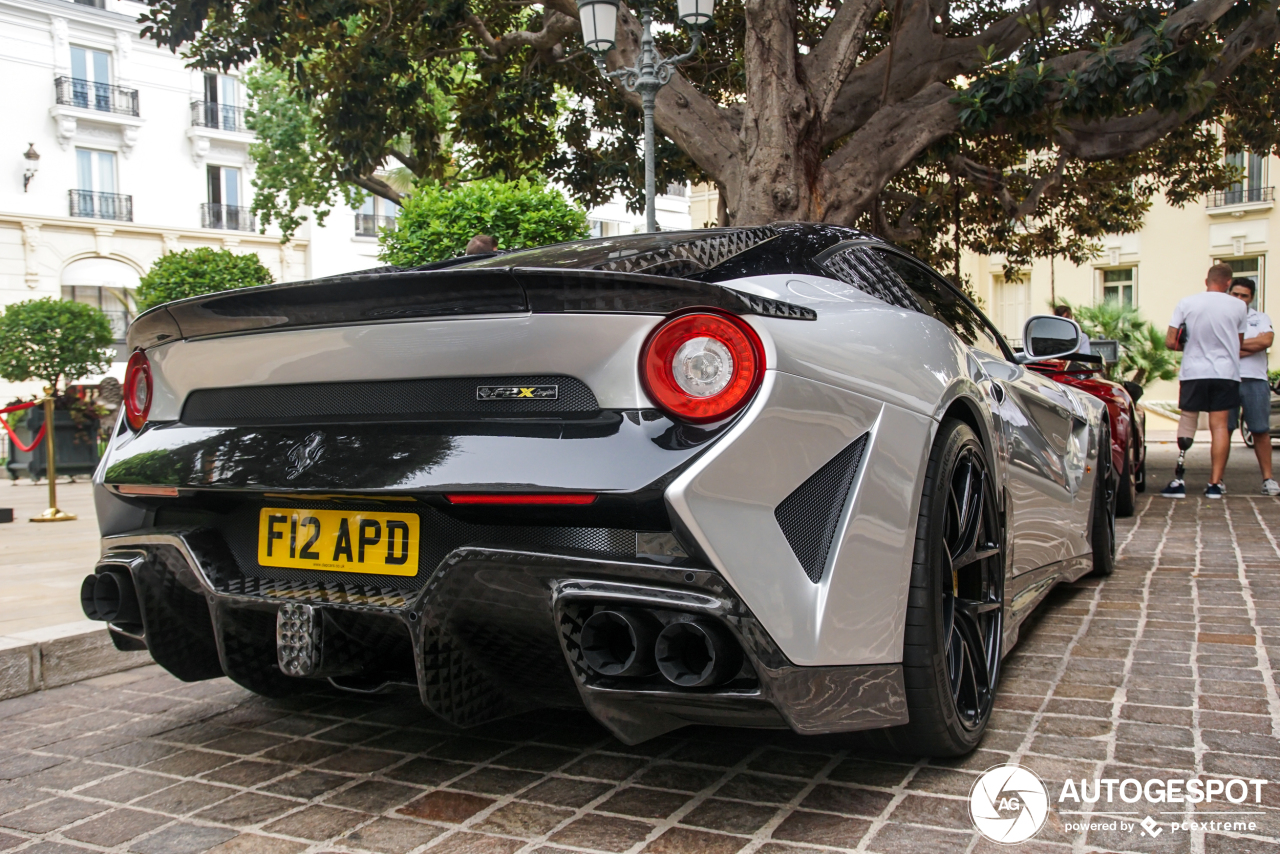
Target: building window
(90,79)
(223,210)
(220,108)
(1248,268)
(95,194)
(1118,286)
(224,186)
(95,170)
(1249,189)
(374,215)
(116,303)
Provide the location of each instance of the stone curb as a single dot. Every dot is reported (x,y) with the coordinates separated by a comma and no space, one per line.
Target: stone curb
(59,655)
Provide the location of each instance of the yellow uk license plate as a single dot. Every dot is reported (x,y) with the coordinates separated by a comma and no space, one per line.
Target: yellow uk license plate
(339,540)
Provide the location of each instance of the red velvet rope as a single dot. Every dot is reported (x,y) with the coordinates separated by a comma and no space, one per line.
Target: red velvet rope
(14,436)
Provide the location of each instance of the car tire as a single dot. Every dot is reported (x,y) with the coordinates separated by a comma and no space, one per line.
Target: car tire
(955,610)
(1246,436)
(1140,477)
(1127,492)
(1102,514)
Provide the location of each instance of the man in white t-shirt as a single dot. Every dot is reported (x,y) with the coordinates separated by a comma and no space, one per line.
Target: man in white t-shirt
(1255,389)
(1209,380)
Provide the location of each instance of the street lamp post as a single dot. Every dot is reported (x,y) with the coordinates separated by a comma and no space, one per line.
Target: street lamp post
(599,33)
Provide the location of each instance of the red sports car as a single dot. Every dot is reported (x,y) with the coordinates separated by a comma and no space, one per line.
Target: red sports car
(1128,422)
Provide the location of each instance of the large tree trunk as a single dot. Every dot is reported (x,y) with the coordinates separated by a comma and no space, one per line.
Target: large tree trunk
(780,134)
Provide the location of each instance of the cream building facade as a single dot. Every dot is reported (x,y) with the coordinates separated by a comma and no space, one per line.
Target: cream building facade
(1155,267)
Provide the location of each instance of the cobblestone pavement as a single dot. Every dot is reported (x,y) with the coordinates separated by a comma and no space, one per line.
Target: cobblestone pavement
(1163,670)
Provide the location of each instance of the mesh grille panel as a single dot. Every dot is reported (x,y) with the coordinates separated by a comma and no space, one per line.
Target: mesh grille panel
(868,272)
(306,402)
(699,254)
(810,515)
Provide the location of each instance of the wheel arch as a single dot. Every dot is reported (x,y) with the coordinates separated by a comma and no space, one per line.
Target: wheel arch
(964,408)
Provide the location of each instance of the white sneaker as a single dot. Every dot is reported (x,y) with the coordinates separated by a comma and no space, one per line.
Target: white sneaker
(1270,487)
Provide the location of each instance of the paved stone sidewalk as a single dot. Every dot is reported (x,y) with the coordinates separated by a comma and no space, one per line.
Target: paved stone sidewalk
(42,565)
(1163,670)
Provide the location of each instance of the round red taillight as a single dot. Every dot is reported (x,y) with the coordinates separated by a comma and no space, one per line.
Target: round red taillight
(137,390)
(702,367)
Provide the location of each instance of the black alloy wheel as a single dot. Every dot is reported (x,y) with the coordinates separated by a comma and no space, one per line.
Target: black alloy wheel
(955,617)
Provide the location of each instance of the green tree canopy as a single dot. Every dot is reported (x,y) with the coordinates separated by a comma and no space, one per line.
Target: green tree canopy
(294,168)
(437,222)
(202,270)
(53,340)
(1030,127)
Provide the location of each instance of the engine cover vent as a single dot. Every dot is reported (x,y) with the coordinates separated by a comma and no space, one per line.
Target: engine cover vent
(810,515)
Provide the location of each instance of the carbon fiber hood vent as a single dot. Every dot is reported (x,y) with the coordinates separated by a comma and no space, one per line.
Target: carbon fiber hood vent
(810,515)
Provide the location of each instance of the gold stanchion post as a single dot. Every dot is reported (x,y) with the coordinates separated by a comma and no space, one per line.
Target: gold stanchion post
(53,514)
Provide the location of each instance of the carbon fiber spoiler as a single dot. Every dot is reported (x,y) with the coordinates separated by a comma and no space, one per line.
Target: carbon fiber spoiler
(380,296)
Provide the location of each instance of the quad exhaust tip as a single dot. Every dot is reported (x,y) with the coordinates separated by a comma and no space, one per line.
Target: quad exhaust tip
(109,596)
(620,643)
(695,653)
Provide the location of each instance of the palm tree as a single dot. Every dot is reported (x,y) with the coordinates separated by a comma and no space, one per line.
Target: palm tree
(1143,356)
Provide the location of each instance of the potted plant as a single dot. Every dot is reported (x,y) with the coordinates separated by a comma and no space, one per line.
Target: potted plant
(56,342)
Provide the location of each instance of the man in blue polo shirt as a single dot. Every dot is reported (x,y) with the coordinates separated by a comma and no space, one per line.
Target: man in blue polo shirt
(1255,389)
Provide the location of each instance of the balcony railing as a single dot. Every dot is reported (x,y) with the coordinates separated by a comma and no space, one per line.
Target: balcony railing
(368,225)
(1241,196)
(211,114)
(226,216)
(102,205)
(674,189)
(103,97)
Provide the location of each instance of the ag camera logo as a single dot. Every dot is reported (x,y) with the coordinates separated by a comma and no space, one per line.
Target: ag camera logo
(1008,804)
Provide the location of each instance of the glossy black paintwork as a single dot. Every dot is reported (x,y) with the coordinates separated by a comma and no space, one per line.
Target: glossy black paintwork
(390,296)
(614,452)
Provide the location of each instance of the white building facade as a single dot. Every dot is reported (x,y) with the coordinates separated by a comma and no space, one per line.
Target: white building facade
(139,155)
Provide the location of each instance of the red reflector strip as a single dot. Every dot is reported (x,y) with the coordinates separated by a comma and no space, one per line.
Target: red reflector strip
(165,491)
(502,498)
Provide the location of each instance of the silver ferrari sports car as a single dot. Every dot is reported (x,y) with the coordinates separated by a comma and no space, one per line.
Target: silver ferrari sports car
(784,476)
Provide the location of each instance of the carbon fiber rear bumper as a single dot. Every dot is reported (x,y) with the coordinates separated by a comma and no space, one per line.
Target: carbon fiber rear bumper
(493,632)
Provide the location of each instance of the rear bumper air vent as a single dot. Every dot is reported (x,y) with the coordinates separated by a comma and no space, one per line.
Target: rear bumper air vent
(810,515)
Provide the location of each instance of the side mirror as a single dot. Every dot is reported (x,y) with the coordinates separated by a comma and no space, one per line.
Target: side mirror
(1135,390)
(1048,337)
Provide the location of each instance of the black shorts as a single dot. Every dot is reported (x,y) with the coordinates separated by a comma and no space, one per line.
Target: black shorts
(1208,395)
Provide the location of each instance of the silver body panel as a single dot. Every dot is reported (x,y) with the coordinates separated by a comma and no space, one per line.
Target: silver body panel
(863,367)
(599,349)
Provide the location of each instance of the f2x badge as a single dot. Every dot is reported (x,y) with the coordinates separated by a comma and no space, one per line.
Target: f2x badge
(517,392)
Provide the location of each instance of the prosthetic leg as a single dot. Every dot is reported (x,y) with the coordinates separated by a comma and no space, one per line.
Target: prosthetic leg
(1177,487)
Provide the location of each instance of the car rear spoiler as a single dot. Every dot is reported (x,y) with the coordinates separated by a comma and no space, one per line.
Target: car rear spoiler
(379,296)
